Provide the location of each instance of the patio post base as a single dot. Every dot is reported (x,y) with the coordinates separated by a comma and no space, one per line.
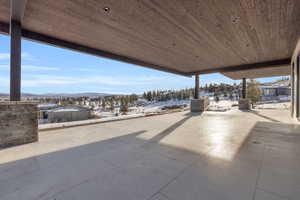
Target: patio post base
(245,104)
(18,123)
(199,105)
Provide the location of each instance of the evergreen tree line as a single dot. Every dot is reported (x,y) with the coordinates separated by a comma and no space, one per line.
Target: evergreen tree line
(186,94)
(124,101)
(166,95)
(110,102)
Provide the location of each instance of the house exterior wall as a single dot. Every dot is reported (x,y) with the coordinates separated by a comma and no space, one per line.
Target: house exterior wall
(269,92)
(54,117)
(18,123)
(275,93)
(284,91)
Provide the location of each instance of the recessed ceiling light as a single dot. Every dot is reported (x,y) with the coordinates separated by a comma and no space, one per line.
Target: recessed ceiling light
(106,9)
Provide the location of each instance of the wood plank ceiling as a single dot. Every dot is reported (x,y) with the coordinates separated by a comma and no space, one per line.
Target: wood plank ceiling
(259,73)
(187,36)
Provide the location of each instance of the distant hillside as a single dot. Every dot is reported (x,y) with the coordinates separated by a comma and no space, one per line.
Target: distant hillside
(85,94)
(3,95)
(53,95)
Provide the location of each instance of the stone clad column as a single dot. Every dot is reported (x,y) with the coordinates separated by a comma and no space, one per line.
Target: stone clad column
(198,104)
(244,103)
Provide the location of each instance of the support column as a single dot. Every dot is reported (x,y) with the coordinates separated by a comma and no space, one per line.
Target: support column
(295,80)
(296,88)
(293,88)
(244,89)
(244,103)
(196,86)
(18,120)
(15,61)
(198,104)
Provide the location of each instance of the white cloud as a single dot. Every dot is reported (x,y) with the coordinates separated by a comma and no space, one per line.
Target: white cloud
(39,68)
(101,80)
(87,70)
(4,56)
(38,81)
(34,68)
(4,82)
(28,57)
(24,55)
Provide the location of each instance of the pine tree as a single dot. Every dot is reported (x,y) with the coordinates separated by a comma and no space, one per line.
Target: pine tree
(253,91)
(149,96)
(103,104)
(112,104)
(144,95)
(124,105)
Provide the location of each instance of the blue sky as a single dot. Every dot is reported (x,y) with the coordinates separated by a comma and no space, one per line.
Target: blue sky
(47,69)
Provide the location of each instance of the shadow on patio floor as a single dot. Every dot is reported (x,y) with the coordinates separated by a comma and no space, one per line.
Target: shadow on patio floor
(122,168)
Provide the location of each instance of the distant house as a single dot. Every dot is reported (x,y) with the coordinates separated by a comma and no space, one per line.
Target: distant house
(65,114)
(43,111)
(280,91)
(275,91)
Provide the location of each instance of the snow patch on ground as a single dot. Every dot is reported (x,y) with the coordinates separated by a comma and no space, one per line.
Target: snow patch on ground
(158,107)
(283,105)
(221,106)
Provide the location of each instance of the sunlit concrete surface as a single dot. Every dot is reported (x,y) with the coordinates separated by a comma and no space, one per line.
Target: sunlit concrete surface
(181,156)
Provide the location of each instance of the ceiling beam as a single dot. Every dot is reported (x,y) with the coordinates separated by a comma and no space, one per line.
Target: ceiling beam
(17,10)
(4,28)
(29,35)
(261,65)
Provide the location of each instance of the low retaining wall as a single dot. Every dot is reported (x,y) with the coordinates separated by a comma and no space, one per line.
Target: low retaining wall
(199,105)
(53,126)
(18,123)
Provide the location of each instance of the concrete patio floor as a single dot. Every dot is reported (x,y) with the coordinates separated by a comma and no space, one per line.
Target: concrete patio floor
(213,156)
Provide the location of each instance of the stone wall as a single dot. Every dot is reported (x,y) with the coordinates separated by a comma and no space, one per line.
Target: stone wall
(199,105)
(18,123)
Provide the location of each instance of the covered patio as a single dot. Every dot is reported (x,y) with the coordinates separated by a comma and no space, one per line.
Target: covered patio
(230,156)
(237,155)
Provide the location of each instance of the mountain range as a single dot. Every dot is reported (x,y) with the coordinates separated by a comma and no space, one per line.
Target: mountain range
(53,95)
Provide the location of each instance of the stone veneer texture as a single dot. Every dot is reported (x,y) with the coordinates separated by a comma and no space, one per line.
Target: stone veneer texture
(18,123)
